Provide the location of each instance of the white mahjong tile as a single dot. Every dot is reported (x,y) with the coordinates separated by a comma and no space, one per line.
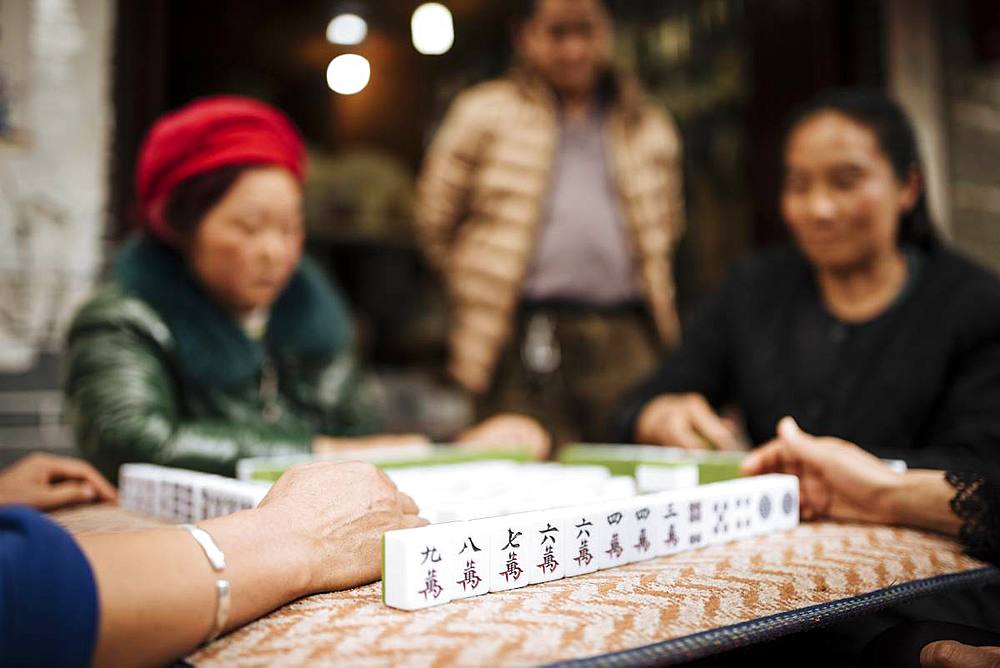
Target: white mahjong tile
(787,495)
(418,570)
(643,512)
(697,512)
(511,551)
(470,554)
(658,478)
(618,525)
(670,528)
(585,534)
(547,538)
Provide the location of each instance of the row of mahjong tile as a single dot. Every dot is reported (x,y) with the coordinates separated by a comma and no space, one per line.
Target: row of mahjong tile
(436,564)
(182,495)
(455,492)
(444,493)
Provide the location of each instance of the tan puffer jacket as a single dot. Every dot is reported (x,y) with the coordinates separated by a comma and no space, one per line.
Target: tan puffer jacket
(481,195)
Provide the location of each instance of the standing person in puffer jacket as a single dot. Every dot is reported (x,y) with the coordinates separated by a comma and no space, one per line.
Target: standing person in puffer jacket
(551,202)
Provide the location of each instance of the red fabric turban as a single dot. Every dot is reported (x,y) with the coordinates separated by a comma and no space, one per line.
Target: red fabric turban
(203,136)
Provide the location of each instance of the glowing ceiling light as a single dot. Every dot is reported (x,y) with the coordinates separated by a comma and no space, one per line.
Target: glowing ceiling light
(432,29)
(346,29)
(348,74)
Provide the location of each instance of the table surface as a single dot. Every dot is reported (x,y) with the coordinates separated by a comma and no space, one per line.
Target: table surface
(669,609)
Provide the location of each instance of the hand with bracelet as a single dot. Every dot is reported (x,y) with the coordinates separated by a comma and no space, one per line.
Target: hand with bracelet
(162,592)
(839,480)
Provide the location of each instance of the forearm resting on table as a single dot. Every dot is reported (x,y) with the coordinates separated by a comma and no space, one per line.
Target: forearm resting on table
(157,588)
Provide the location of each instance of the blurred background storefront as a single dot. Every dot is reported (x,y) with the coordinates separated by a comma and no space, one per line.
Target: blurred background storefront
(81,81)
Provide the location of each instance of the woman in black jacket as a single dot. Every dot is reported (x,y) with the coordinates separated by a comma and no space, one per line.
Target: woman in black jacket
(868,328)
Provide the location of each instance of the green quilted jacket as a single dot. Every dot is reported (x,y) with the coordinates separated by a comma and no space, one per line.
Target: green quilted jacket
(157,372)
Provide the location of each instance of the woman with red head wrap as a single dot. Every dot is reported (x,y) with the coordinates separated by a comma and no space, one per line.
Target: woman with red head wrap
(216,339)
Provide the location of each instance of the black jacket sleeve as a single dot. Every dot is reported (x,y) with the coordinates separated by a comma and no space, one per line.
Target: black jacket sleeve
(977,504)
(965,432)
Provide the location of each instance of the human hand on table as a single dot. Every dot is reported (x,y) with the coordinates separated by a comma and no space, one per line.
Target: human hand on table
(48,482)
(951,654)
(685,421)
(332,444)
(334,514)
(839,480)
(507,430)
(319,529)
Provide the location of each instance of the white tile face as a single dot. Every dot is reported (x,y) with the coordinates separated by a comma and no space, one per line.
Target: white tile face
(744,515)
(643,512)
(749,498)
(139,488)
(218,501)
(584,535)
(774,503)
(697,511)
(418,571)
(736,517)
(727,510)
(471,550)
(788,503)
(616,548)
(651,478)
(721,524)
(458,492)
(670,531)
(185,496)
(224,496)
(548,539)
(511,551)
(180,500)
(617,487)
(765,504)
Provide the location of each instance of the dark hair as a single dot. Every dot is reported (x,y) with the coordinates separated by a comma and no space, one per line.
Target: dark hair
(195,197)
(522,10)
(896,138)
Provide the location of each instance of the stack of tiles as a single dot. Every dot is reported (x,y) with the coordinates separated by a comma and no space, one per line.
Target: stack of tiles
(663,477)
(486,489)
(433,565)
(655,467)
(182,495)
(656,463)
(269,468)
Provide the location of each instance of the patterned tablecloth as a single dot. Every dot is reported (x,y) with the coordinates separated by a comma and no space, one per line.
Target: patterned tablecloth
(666,610)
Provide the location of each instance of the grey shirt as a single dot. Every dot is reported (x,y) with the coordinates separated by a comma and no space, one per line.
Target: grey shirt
(582,251)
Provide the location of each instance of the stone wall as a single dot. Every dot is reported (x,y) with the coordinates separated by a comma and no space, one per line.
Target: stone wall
(55,131)
(973,126)
(55,59)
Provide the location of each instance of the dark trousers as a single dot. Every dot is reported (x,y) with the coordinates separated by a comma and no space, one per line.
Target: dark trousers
(602,354)
(891,637)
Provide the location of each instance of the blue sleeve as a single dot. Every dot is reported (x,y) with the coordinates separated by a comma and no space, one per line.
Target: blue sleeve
(48,598)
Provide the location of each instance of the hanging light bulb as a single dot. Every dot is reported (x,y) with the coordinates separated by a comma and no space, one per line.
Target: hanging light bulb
(346,29)
(348,74)
(432,29)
